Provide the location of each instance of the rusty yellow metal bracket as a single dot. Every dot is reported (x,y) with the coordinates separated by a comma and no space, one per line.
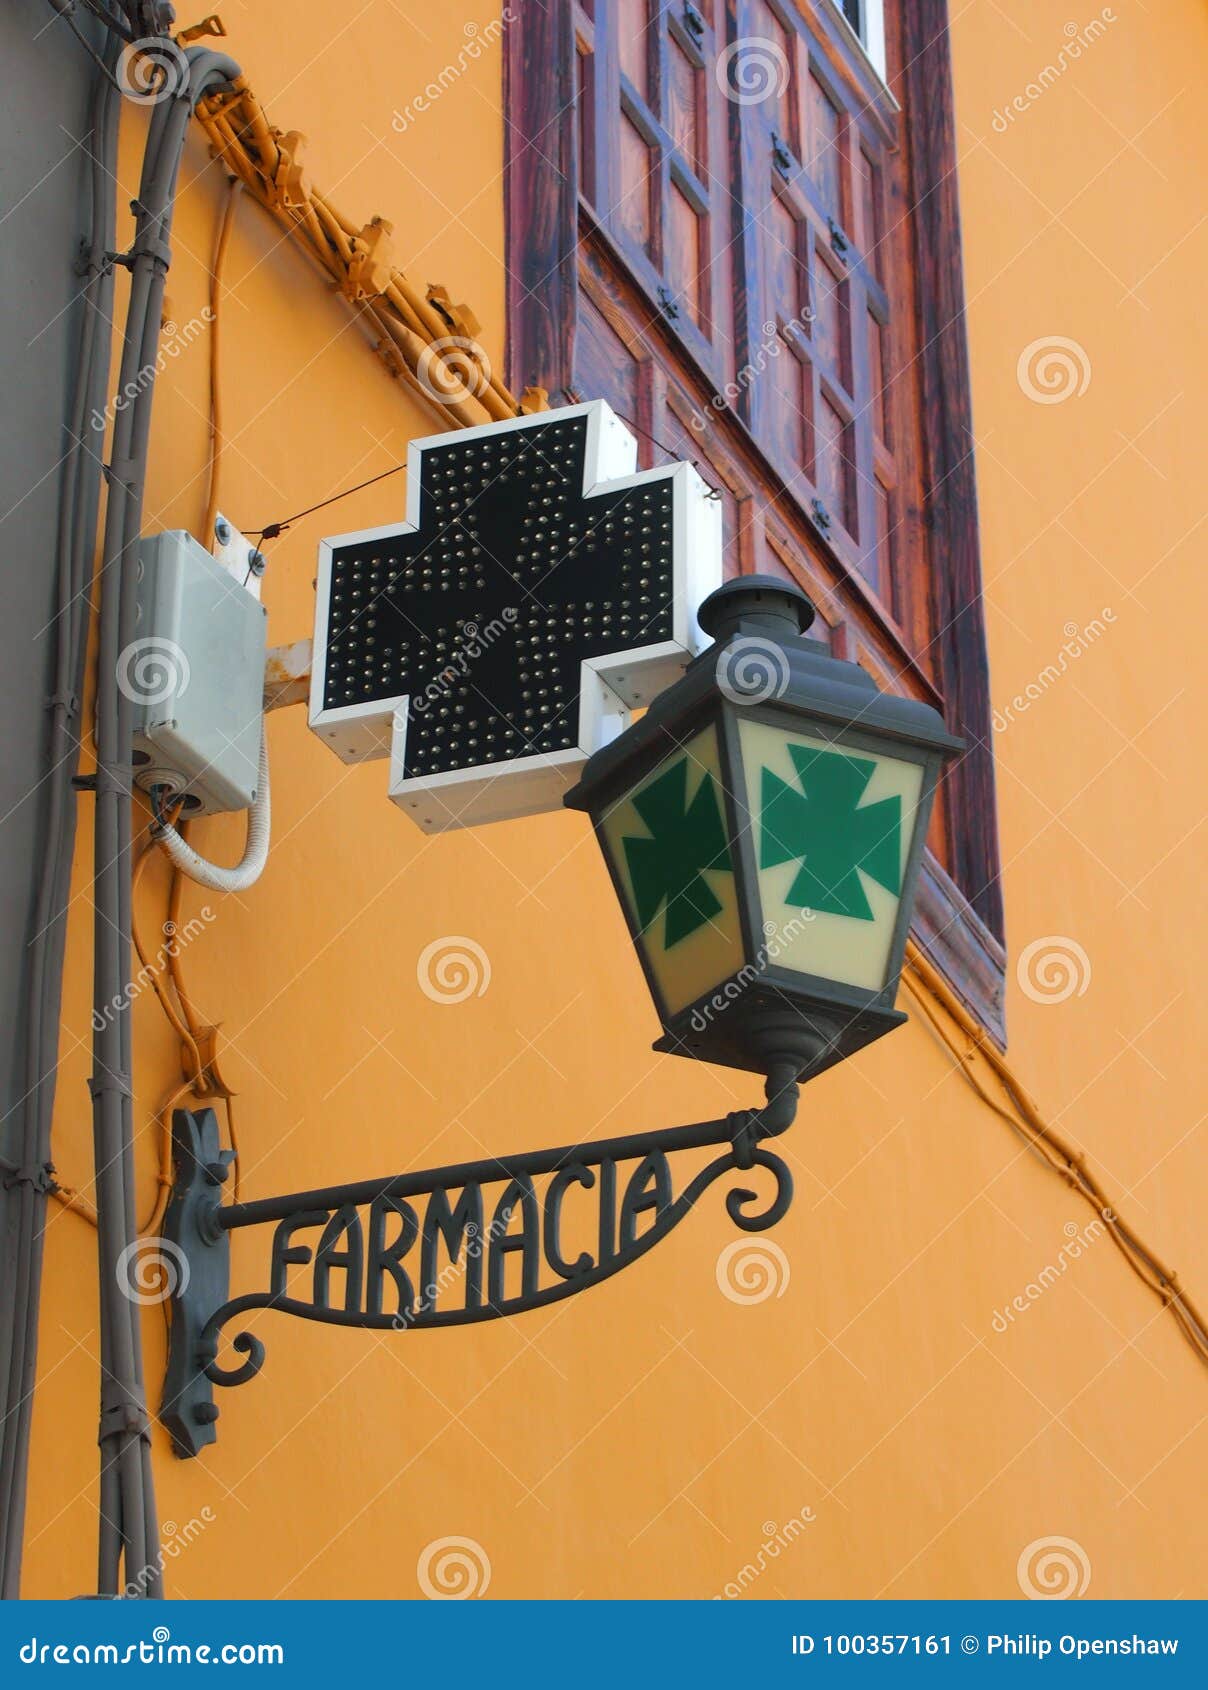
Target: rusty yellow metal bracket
(213,25)
(420,336)
(372,265)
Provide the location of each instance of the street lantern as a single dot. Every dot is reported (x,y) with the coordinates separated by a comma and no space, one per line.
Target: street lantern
(764,824)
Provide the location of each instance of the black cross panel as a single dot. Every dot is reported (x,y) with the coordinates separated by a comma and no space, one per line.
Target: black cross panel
(504,527)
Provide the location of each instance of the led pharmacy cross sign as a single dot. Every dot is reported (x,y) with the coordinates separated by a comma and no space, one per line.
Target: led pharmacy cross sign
(763,823)
(538,592)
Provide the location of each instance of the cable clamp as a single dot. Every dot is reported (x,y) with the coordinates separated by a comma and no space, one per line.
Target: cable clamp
(123,1413)
(289,185)
(115,778)
(371,267)
(67,701)
(123,472)
(112,1082)
(152,245)
(40,1177)
(88,265)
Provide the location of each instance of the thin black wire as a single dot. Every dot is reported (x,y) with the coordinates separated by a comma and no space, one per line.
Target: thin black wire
(108,18)
(65,13)
(275,528)
(714,489)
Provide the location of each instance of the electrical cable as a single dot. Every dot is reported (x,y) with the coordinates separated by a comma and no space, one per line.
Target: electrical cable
(1023,1116)
(216,440)
(198,1076)
(79,496)
(183,1032)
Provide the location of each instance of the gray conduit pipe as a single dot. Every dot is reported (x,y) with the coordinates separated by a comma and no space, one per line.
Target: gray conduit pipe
(129,1532)
(79,496)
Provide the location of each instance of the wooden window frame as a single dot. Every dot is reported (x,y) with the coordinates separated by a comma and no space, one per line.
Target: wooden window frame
(557,254)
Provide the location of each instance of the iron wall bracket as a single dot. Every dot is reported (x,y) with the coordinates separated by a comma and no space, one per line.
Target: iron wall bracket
(430,1249)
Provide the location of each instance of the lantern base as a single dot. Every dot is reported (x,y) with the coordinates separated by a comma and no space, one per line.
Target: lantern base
(756,1038)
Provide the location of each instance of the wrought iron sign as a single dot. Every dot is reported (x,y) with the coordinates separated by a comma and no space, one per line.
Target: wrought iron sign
(434,1248)
(537,593)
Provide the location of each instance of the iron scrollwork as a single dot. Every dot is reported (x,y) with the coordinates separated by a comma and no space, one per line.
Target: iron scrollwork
(428,1249)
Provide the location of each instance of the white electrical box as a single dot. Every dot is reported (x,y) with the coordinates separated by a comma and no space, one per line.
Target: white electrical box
(195,671)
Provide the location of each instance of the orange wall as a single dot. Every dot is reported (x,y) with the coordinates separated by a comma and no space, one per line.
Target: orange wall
(643,1439)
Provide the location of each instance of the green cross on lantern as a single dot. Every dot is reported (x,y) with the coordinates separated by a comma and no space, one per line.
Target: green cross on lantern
(822,822)
(685,838)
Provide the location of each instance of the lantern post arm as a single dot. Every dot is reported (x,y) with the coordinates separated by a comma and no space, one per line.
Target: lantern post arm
(362,1269)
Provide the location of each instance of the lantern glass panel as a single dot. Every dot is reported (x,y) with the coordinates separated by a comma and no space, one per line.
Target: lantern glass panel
(670,850)
(832,827)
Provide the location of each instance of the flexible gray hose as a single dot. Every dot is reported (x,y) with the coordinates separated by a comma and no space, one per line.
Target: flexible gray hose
(248,870)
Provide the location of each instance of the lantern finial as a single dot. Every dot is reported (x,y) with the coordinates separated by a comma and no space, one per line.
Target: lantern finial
(755,604)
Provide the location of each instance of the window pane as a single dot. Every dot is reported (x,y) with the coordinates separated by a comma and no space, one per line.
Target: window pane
(830,320)
(782,248)
(882,568)
(684,255)
(585,101)
(683,97)
(789,381)
(633,209)
(821,145)
(762,65)
(876,368)
(831,468)
(868,215)
(633,43)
